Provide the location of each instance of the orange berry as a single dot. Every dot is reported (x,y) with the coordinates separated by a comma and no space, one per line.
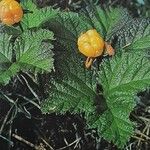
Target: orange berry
(10,12)
(91,44)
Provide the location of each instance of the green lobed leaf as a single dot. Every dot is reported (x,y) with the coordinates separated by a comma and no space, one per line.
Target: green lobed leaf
(121,78)
(32,52)
(73,88)
(29,52)
(36,16)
